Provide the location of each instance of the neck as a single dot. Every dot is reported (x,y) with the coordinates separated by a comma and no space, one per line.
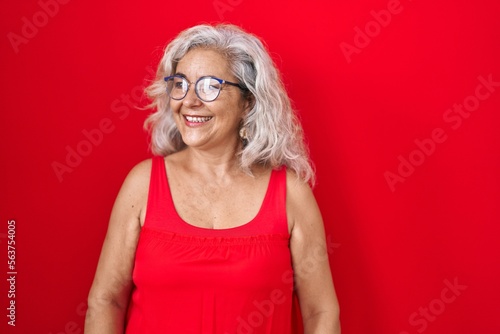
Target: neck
(213,164)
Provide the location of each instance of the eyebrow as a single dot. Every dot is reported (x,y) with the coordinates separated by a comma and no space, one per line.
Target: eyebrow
(181,74)
(185,76)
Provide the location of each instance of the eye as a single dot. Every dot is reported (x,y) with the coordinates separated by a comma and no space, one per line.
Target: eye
(213,86)
(208,85)
(180,84)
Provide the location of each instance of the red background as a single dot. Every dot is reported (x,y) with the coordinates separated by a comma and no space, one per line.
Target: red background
(394,248)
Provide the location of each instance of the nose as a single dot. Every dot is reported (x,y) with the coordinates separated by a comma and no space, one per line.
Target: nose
(191,99)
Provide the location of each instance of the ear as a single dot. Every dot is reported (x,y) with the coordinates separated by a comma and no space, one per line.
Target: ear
(248,104)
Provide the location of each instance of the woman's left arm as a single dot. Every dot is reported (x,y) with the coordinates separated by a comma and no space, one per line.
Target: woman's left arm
(313,279)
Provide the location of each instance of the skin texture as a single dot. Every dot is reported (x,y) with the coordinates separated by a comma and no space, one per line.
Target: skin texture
(208,188)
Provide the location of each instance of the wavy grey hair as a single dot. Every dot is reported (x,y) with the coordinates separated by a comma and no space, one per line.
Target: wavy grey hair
(274,134)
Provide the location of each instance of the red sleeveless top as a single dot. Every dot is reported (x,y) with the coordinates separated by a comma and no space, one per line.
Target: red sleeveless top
(189,279)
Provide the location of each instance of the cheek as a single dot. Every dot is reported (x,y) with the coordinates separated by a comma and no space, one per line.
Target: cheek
(230,113)
(175,106)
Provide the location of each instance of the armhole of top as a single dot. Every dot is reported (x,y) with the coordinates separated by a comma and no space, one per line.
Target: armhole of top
(279,200)
(154,191)
(284,190)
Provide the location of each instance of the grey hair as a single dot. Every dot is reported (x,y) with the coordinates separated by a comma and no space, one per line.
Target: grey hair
(274,134)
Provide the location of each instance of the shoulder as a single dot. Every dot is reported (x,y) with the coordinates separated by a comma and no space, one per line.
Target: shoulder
(141,170)
(133,194)
(297,188)
(300,201)
(138,177)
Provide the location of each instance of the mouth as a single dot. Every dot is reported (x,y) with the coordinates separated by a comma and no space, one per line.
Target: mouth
(197,119)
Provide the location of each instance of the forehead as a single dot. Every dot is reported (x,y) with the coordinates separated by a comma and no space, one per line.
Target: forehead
(200,62)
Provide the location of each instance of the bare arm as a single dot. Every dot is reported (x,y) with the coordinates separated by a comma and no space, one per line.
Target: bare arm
(313,280)
(109,295)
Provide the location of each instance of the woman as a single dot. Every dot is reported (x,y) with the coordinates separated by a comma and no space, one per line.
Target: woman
(216,233)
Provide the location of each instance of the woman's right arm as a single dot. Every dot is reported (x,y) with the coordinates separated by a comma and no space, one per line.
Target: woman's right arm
(109,295)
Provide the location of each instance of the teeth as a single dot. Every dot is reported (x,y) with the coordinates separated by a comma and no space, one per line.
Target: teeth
(198,119)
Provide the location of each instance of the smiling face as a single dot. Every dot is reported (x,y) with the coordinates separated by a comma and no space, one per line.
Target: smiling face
(208,125)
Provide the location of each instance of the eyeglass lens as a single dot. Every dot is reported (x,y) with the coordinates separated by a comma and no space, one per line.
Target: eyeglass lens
(207,88)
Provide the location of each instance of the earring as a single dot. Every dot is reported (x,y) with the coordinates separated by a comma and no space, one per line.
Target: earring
(243,133)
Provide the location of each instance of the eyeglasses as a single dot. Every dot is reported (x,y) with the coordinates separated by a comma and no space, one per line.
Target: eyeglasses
(206,88)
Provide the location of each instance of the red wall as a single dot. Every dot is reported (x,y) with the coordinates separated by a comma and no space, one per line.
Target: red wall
(396,105)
